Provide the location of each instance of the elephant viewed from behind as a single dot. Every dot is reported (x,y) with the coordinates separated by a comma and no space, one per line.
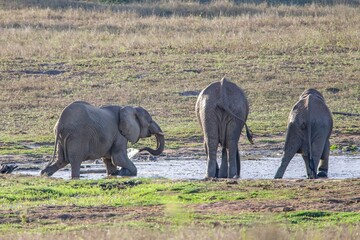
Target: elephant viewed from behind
(309,129)
(85,132)
(222,110)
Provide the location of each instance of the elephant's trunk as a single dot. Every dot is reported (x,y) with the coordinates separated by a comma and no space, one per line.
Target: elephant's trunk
(160,145)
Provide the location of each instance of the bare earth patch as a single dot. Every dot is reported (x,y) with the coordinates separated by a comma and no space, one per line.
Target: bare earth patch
(71,214)
(327,195)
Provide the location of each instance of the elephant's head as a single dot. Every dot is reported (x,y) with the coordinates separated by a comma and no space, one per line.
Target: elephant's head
(135,123)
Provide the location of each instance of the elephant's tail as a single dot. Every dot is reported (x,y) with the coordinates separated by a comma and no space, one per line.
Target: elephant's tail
(249,134)
(224,105)
(55,147)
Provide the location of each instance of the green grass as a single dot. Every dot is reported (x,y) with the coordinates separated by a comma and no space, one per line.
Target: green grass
(321,218)
(37,191)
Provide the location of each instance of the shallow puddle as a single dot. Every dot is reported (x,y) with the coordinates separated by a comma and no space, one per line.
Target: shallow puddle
(340,167)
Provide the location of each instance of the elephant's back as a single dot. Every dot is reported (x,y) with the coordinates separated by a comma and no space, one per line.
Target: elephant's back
(213,91)
(207,97)
(77,114)
(311,109)
(220,94)
(319,113)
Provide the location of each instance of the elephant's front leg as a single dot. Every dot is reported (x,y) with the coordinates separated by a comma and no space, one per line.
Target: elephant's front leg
(127,166)
(120,158)
(111,169)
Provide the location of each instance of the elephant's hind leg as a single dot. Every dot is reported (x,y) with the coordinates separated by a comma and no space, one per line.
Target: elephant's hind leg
(285,160)
(292,145)
(238,162)
(75,169)
(50,170)
(212,166)
(233,159)
(309,168)
(223,173)
(317,146)
(324,162)
(76,155)
(58,164)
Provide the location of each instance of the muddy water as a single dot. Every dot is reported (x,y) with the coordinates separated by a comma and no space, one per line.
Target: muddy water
(340,167)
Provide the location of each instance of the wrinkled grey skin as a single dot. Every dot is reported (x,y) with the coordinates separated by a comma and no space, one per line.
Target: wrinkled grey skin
(85,132)
(309,129)
(222,110)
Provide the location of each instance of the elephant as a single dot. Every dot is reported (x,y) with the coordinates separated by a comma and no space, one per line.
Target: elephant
(86,132)
(310,125)
(222,109)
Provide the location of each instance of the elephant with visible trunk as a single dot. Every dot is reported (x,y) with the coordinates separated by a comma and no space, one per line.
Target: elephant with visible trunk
(222,110)
(85,132)
(309,129)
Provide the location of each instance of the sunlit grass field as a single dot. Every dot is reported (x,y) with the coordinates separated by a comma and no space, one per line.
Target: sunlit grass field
(148,54)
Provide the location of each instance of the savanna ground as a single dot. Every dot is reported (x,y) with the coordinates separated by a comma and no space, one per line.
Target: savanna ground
(159,55)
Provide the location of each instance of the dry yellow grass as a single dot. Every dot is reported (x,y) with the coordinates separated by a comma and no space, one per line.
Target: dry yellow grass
(147,54)
(257,232)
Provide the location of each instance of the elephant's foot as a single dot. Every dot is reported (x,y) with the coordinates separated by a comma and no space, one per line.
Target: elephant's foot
(46,172)
(113,173)
(322,174)
(126,172)
(222,173)
(278,176)
(51,169)
(217,172)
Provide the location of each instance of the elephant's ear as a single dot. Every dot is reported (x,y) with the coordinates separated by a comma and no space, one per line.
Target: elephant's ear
(129,124)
